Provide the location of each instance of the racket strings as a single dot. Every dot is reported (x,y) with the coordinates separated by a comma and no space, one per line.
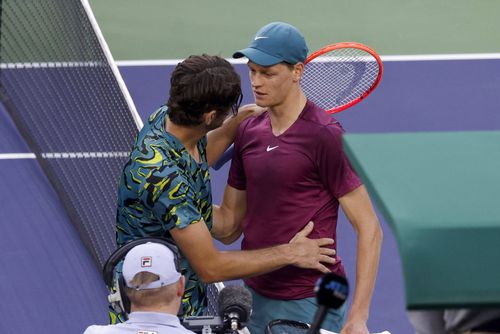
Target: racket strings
(339,77)
(287,327)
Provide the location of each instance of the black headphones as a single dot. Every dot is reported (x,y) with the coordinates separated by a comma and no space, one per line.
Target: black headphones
(117,297)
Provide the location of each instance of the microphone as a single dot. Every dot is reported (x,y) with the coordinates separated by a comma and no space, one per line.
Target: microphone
(235,306)
(331,292)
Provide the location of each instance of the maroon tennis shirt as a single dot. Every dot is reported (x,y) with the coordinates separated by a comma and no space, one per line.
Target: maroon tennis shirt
(290,179)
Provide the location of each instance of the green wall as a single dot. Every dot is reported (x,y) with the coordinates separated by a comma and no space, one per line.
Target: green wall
(164,29)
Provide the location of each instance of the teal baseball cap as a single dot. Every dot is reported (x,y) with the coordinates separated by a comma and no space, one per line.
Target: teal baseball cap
(274,43)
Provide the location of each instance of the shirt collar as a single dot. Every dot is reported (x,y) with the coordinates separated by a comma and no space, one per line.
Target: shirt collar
(175,143)
(154,317)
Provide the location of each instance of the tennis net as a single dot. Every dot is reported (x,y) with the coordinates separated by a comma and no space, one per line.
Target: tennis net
(59,84)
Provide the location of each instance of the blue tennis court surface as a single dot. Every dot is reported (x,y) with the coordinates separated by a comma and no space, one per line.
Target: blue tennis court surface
(51,284)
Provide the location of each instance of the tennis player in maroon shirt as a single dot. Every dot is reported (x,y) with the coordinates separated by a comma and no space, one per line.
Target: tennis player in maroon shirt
(289,170)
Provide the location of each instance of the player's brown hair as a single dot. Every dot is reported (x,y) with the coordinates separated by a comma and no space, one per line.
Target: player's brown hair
(201,84)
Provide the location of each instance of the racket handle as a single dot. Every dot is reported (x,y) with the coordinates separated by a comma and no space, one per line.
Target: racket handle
(224,158)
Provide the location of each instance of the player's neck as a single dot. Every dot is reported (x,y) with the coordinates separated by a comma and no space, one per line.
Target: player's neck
(286,113)
(188,136)
(168,309)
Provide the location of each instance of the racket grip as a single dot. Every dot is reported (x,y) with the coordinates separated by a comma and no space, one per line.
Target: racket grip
(224,158)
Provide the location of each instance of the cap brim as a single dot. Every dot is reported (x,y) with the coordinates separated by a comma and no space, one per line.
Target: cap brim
(258,57)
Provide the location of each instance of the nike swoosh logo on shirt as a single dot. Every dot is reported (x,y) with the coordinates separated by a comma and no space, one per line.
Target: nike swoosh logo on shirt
(260,37)
(269,148)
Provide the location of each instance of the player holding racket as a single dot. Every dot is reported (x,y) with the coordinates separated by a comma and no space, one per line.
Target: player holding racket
(289,168)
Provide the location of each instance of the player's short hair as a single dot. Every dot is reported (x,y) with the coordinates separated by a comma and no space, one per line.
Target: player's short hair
(150,297)
(199,84)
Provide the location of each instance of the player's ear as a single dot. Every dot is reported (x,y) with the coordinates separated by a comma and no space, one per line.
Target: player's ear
(298,71)
(180,286)
(208,117)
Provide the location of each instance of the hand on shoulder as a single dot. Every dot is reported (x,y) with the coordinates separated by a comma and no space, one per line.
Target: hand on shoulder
(251,110)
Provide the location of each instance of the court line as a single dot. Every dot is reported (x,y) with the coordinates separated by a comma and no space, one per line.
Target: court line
(64,155)
(57,64)
(464,56)
(163,62)
(389,58)
(12,156)
(172,62)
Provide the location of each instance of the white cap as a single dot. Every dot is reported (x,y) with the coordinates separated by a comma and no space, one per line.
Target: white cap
(154,258)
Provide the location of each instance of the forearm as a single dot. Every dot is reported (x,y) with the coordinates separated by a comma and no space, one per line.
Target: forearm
(230,238)
(227,217)
(359,210)
(300,251)
(225,228)
(368,250)
(221,138)
(212,265)
(232,265)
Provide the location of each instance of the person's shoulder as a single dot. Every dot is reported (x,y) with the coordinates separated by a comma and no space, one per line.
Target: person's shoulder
(158,156)
(187,331)
(158,113)
(330,134)
(323,122)
(253,121)
(183,330)
(334,127)
(97,329)
(153,130)
(315,115)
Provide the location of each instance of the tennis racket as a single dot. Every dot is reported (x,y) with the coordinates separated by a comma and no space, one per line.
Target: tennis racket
(340,75)
(283,326)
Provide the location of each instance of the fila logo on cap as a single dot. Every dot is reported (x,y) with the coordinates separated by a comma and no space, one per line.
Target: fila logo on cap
(146,261)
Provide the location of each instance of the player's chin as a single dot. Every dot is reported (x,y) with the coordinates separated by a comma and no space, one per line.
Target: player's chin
(261,102)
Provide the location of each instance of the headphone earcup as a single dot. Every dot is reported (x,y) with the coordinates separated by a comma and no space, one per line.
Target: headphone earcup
(125,301)
(118,298)
(115,299)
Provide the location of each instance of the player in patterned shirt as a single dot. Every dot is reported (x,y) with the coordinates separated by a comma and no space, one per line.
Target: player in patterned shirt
(165,187)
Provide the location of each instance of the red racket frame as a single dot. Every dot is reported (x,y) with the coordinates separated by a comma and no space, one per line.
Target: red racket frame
(343,45)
